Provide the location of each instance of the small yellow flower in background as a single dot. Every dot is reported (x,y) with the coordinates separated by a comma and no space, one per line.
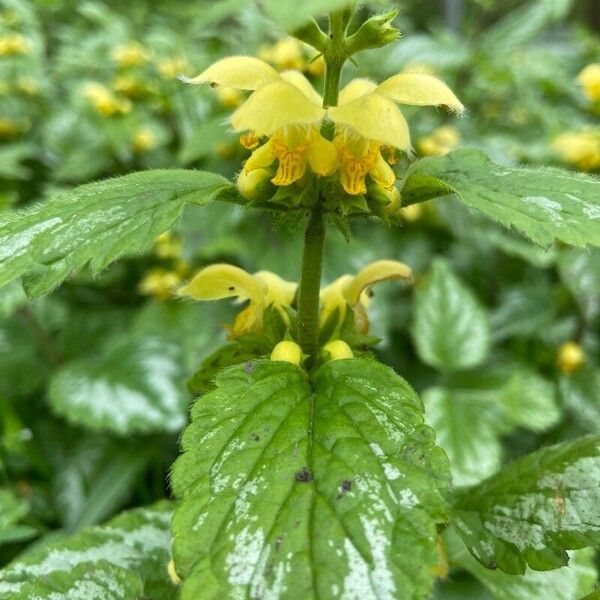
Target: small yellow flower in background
(104,101)
(229,97)
(170,68)
(4,88)
(287,351)
(160,283)
(338,350)
(355,291)
(439,142)
(132,87)
(589,79)
(581,149)
(28,85)
(12,44)
(225,150)
(262,290)
(9,128)
(570,357)
(144,140)
(131,54)
(284,54)
(166,246)
(316,66)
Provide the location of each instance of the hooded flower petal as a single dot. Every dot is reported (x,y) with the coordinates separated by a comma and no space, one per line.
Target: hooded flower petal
(303,84)
(275,106)
(355,89)
(375,118)
(240,72)
(380,270)
(279,291)
(419,89)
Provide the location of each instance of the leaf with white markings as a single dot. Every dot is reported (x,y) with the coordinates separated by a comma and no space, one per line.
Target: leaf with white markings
(288,491)
(97,223)
(567,582)
(543,204)
(135,386)
(534,510)
(124,559)
(451,329)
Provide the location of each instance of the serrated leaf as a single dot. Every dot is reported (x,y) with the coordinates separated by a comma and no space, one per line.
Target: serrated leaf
(567,582)
(291,492)
(535,509)
(134,386)
(97,223)
(115,560)
(450,329)
(543,204)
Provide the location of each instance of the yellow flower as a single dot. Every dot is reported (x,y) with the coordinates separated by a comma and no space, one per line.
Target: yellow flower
(131,54)
(159,283)
(282,107)
(354,291)
(589,79)
(229,97)
(28,85)
(14,43)
(172,67)
(287,351)
(104,101)
(285,53)
(440,142)
(172,573)
(8,129)
(144,139)
(581,149)
(367,118)
(250,184)
(167,247)
(261,290)
(570,357)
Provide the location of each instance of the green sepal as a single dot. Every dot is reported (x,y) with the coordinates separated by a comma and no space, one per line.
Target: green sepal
(373,33)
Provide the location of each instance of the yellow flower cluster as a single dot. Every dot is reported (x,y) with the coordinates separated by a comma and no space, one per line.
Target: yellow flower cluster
(144,140)
(131,54)
(14,43)
(264,289)
(104,101)
(579,148)
(289,53)
(570,358)
(283,115)
(439,142)
(589,79)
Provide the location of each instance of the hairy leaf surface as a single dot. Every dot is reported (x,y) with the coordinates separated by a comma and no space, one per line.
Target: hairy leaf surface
(534,510)
(125,559)
(543,204)
(288,491)
(96,223)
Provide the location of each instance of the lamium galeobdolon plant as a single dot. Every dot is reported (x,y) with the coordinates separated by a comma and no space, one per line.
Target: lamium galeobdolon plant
(307,470)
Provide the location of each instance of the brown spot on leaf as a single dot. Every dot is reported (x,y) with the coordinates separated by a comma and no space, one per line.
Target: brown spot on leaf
(345,487)
(255,438)
(492,565)
(303,476)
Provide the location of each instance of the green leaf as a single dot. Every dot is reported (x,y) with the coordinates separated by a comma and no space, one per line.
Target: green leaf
(291,492)
(134,386)
(543,204)
(535,509)
(97,223)
(580,272)
(567,582)
(12,511)
(581,395)
(125,559)
(451,328)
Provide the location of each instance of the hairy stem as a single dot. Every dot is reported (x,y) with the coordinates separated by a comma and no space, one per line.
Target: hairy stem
(314,237)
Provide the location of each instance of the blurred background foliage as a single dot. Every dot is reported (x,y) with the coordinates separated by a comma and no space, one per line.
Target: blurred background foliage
(503,343)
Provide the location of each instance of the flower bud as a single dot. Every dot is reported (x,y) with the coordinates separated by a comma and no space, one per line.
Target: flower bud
(255,185)
(172,573)
(287,352)
(338,350)
(570,357)
(373,33)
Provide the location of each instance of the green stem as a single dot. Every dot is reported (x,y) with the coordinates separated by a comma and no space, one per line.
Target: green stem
(310,284)
(314,238)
